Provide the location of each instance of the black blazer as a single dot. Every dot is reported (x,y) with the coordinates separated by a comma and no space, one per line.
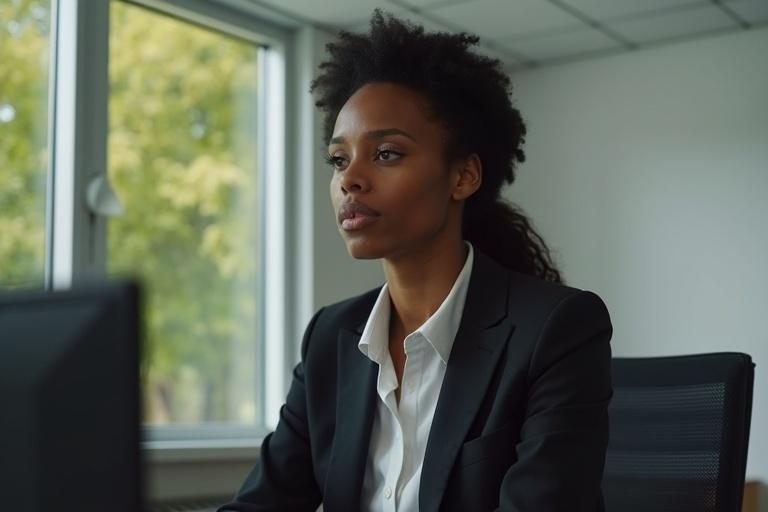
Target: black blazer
(521,421)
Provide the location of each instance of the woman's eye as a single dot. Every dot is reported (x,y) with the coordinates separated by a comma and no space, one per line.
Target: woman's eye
(334,161)
(386,154)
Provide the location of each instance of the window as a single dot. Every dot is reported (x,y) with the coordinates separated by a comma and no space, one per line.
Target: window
(24,63)
(163,103)
(183,161)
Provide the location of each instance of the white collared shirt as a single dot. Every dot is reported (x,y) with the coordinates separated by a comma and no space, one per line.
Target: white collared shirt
(399,435)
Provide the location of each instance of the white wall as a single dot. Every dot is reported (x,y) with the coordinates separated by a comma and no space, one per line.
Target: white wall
(648,173)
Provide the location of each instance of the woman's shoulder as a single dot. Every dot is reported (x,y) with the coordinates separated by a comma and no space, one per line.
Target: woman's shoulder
(350,313)
(553,319)
(332,320)
(353,307)
(533,297)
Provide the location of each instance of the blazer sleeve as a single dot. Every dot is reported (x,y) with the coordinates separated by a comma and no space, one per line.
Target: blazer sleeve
(283,478)
(564,435)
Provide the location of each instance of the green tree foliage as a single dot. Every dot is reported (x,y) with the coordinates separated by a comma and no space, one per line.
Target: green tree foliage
(23,131)
(182,160)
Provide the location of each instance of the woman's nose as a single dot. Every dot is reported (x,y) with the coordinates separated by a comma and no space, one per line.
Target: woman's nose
(355,178)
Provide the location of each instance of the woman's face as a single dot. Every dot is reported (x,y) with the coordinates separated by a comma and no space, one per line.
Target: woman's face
(386,154)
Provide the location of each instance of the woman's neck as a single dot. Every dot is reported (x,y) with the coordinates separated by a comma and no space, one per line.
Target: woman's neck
(420,281)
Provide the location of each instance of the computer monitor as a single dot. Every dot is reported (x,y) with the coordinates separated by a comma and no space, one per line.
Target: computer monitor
(69,400)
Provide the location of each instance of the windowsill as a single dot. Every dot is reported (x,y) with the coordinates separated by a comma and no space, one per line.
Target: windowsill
(192,469)
(208,450)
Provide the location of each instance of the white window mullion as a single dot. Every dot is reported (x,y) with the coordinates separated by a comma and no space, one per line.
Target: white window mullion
(78,139)
(272,142)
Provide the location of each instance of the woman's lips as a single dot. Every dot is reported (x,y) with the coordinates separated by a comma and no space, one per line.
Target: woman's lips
(359,221)
(354,215)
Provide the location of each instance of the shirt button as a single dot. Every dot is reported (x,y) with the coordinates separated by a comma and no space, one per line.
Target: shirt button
(411,387)
(388,492)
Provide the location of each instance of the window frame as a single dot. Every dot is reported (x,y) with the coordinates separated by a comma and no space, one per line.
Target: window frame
(76,238)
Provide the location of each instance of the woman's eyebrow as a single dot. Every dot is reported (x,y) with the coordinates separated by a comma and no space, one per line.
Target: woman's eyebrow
(377,134)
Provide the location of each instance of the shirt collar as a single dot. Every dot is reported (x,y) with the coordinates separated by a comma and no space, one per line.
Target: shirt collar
(375,338)
(439,329)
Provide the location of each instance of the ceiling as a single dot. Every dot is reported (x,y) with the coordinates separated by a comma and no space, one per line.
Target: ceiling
(534,33)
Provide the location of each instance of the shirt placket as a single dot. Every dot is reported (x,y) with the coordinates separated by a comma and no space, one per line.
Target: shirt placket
(409,404)
(389,503)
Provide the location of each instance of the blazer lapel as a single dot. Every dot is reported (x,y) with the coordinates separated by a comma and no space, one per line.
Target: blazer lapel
(356,399)
(482,335)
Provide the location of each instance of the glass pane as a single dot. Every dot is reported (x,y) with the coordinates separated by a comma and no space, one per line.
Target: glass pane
(183,162)
(24,59)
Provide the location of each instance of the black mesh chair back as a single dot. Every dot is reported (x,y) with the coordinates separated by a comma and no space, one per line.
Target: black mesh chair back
(679,431)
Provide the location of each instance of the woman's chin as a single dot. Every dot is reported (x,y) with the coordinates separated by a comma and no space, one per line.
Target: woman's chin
(362,249)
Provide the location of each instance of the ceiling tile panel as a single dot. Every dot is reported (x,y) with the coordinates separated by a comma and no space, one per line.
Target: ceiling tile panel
(681,23)
(504,18)
(491,49)
(609,9)
(517,30)
(335,12)
(563,44)
(752,11)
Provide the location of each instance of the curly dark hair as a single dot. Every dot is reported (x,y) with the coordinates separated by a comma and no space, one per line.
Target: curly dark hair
(469,94)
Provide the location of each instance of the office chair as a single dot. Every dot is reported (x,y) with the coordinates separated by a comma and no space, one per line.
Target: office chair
(679,431)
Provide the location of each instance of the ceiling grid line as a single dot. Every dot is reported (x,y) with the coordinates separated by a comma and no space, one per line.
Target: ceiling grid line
(732,14)
(641,46)
(426,14)
(593,23)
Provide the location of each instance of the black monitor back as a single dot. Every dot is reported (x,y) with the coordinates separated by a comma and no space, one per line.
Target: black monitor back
(69,400)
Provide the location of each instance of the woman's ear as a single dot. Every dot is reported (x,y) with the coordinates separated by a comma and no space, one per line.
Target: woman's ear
(469,174)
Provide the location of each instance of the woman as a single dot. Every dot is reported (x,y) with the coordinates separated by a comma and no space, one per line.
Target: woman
(473,379)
